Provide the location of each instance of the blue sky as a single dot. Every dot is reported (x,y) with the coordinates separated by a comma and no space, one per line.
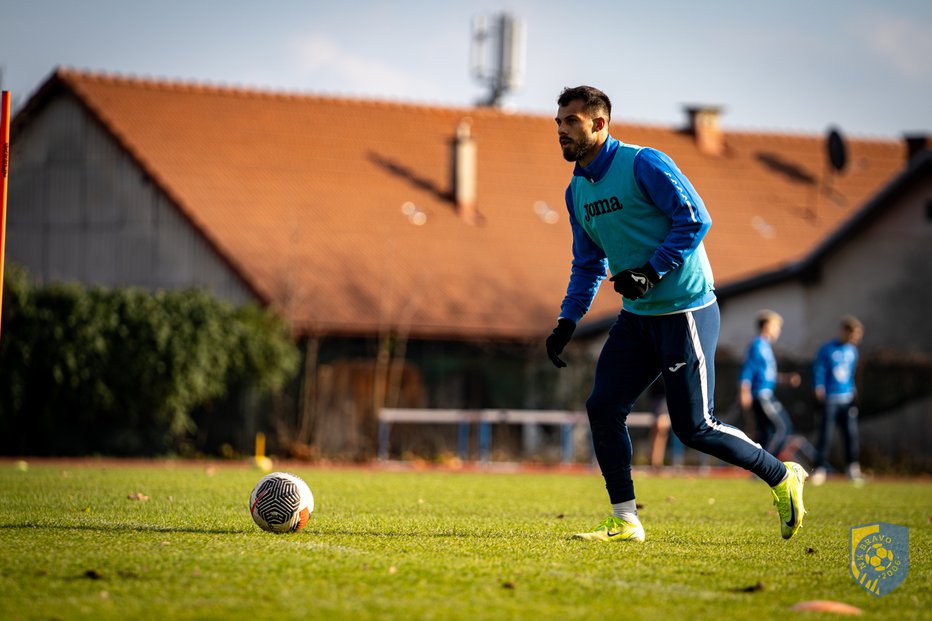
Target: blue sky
(790,66)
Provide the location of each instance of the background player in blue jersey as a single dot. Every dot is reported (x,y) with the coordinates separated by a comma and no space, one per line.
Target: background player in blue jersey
(833,381)
(757,380)
(631,210)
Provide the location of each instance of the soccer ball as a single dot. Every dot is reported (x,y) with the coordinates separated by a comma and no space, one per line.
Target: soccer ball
(281,502)
(878,557)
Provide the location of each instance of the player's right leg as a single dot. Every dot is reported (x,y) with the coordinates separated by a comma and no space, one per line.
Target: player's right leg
(625,369)
(849,412)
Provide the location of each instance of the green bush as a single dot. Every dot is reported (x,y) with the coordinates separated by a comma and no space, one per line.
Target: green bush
(119,371)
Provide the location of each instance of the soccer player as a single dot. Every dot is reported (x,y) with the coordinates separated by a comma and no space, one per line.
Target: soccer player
(758,378)
(833,381)
(633,211)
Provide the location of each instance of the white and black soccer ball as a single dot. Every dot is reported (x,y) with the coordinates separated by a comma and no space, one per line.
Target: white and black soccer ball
(281,502)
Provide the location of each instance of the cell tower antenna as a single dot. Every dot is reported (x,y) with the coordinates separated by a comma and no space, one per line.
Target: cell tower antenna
(498,55)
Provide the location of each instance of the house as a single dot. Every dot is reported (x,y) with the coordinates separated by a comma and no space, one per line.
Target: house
(877,265)
(385,232)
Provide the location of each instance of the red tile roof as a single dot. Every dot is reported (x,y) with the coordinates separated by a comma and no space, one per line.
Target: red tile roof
(303,196)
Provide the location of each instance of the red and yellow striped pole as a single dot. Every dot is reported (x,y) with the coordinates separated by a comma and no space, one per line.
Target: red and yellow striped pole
(4,176)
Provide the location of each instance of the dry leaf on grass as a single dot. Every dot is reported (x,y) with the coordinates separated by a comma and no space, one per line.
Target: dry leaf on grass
(827,605)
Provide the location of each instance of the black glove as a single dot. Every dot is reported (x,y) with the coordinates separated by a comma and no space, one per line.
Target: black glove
(633,284)
(558,339)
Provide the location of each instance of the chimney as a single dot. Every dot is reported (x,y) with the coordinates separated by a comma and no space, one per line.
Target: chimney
(915,144)
(703,125)
(464,173)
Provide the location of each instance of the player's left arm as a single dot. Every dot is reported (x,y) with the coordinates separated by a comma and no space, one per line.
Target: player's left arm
(854,371)
(668,188)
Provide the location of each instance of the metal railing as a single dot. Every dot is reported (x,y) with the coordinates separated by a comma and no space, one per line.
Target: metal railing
(567,420)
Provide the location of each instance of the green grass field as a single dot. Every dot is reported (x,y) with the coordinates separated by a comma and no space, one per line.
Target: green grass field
(433,545)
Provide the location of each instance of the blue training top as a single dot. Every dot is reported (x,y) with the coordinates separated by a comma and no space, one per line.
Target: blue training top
(630,206)
(833,370)
(760,367)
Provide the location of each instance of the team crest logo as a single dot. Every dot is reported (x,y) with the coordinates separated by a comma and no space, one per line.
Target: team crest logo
(879,556)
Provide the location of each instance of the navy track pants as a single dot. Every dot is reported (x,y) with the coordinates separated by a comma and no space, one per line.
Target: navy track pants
(681,347)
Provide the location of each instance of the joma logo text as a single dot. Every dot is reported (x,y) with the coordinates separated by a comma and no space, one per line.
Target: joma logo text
(601,207)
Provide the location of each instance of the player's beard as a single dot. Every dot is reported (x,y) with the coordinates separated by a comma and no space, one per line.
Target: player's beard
(578,149)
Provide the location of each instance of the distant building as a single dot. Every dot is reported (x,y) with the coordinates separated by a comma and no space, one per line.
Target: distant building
(877,265)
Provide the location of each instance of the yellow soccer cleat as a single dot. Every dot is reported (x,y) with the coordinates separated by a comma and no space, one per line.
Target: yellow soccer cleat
(614,529)
(788,499)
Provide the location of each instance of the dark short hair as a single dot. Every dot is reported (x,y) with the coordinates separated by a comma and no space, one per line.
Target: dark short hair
(595,102)
(850,323)
(766,316)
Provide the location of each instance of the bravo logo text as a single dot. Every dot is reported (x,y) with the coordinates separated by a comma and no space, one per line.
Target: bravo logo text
(879,556)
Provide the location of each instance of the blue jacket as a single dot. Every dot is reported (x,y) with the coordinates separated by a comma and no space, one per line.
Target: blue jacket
(833,370)
(760,367)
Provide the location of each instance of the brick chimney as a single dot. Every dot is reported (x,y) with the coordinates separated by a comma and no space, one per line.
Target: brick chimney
(915,144)
(705,129)
(464,180)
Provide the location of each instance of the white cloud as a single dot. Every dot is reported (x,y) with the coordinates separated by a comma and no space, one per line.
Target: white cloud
(330,66)
(903,44)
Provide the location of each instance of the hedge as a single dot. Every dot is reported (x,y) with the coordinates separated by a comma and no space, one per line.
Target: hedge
(119,371)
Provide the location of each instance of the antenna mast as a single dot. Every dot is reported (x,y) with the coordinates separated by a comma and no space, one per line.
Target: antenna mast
(498,55)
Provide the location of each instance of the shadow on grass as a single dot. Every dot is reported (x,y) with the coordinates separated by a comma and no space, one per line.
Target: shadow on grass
(414,534)
(109,528)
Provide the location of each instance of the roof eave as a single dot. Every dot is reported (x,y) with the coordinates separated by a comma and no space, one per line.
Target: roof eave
(808,268)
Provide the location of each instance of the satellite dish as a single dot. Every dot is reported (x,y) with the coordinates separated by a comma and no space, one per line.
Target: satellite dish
(837,151)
